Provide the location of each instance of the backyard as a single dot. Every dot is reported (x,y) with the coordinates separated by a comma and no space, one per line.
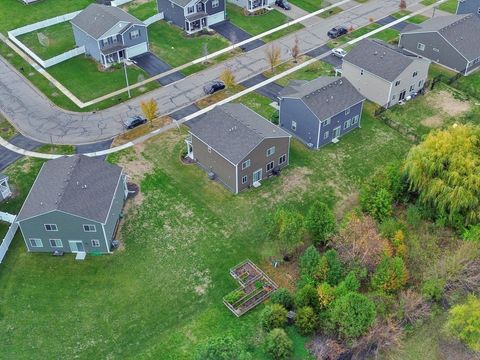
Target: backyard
(142,10)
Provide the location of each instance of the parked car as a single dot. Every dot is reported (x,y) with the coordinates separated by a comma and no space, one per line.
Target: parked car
(134,121)
(339,52)
(283,4)
(213,86)
(337,32)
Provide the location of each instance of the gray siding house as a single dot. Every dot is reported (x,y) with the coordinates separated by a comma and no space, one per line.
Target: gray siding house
(468,7)
(237,146)
(383,73)
(192,15)
(74,206)
(451,41)
(320,111)
(109,34)
(253,5)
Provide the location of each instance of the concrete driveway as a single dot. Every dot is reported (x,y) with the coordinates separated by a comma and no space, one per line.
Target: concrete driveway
(153,65)
(270,90)
(234,34)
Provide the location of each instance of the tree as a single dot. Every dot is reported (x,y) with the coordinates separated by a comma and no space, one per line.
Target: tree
(221,348)
(413,307)
(278,345)
(273,316)
(391,275)
(464,322)
(320,222)
(353,313)
(149,109)
(295,49)
(309,261)
(288,229)
(306,296)
(306,320)
(228,77)
(283,297)
(329,268)
(445,170)
(402,5)
(349,284)
(326,295)
(273,56)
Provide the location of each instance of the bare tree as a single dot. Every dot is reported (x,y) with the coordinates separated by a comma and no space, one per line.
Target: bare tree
(228,77)
(273,56)
(295,49)
(381,336)
(413,307)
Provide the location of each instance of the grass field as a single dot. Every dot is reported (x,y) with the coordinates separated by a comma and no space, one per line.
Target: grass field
(387,35)
(161,294)
(60,39)
(308,5)
(449,6)
(309,72)
(416,19)
(171,45)
(142,10)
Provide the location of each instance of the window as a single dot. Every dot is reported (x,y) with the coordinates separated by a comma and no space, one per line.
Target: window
(361,72)
(436,50)
(215,3)
(355,119)
(415,73)
(191,9)
(246,164)
(282,159)
(271,151)
(421,46)
(244,179)
(294,125)
(95,243)
(347,111)
(412,88)
(347,123)
(36,243)
(134,34)
(89,228)
(56,243)
(270,166)
(51,227)
(397,82)
(326,134)
(327,122)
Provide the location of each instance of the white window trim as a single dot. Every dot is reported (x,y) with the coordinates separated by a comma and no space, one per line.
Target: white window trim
(55,225)
(88,225)
(244,179)
(270,151)
(420,46)
(326,134)
(215,3)
(96,242)
(35,239)
(135,34)
(56,246)
(294,125)
(247,162)
(272,163)
(282,159)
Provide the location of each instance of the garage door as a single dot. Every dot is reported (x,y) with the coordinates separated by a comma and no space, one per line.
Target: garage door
(137,50)
(216,18)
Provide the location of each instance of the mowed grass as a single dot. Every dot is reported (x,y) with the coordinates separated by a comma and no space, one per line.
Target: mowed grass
(416,19)
(82,77)
(449,6)
(387,35)
(171,45)
(162,293)
(143,11)
(60,39)
(15,13)
(308,5)
(310,72)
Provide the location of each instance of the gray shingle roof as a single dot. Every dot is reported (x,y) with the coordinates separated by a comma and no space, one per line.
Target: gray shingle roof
(78,185)
(97,19)
(462,31)
(233,130)
(379,58)
(325,96)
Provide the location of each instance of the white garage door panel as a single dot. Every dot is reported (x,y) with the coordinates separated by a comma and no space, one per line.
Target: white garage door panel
(216,18)
(137,50)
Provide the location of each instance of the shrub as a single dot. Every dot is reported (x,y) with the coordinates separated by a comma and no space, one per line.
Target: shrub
(398,242)
(221,348)
(306,320)
(283,297)
(472,233)
(278,345)
(413,307)
(234,296)
(288,229)
(306,296)
(330,268)
(326,295)
(273,316)
(464,322)
(379,203)
(309,261)
(391,275)
(353,314)
(414,216)
(320,222)
(432,289)
(349,284)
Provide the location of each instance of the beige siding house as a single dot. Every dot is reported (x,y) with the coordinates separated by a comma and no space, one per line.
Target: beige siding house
(237,147)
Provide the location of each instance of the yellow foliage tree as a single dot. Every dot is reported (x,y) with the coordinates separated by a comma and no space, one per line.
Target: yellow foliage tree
(273,55)
(149,109)
(228,77)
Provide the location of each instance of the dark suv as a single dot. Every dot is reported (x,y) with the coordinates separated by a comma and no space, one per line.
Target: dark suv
(283,4)
(134,121)
(213,86)
(337,32)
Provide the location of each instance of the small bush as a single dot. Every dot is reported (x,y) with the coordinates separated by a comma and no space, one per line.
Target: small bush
(283,297)
(326,295)
(309,261)
(221,348)
(333,267)
(432,289)
(275,118)
(306,296)
(306,320)
(278,345)
(273,316)
(320,222)
(379,203)
(391,275)
(349,284)
(472,233)
(464,322)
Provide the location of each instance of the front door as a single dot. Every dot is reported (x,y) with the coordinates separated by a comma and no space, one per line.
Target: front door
(336,132)
(257,175)
(76,246)
(402,95)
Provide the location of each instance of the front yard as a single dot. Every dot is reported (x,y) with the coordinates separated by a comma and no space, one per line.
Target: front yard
(387,35)
(308,5)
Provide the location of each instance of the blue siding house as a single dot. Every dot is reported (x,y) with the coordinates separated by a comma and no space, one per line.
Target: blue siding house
(468,7)
(109,34)
(320,111)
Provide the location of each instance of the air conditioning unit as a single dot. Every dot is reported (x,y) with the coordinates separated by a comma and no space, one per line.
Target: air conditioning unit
(211,175)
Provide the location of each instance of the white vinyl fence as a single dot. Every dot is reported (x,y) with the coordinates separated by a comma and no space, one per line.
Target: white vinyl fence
(7,240)
(119,2)
(153,19)
(12,34)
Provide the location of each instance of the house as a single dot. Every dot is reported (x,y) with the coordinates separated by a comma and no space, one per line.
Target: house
(468,7)
(383,73)
(237,146)
(320,111)
(253,5)
(109,34)
(73,206)
(5,191)
(192,15)
(451,41)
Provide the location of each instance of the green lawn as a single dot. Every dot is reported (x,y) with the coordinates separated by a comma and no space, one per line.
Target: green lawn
(258,24)
(259,104)
(171,45)
(428,2)
(309,72)
(143,11)
(308,5)
(387,35)
(416,19)
(333,11)
(60,39)
(449,6)
(81,76)
(160,295)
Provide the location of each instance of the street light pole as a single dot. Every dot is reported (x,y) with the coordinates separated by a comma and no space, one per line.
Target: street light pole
(126,78)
